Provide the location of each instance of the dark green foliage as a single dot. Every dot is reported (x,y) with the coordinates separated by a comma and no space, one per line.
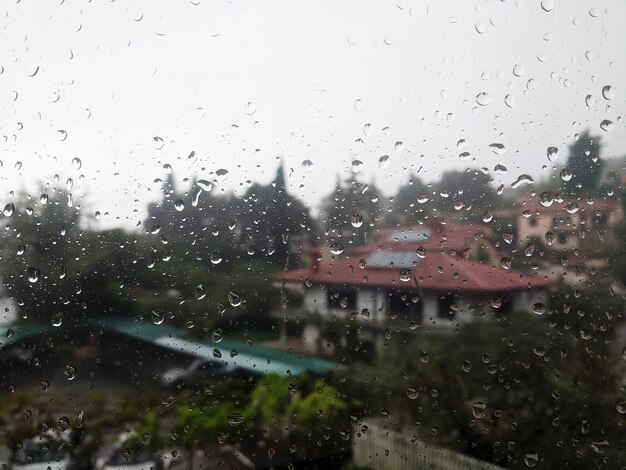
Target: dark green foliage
(585,164)
(543,387)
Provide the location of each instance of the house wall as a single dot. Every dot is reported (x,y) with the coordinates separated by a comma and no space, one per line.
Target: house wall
(315,299)
(546,222)
(524,300)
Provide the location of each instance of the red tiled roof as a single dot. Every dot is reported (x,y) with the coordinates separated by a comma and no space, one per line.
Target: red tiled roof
(451,236)
(435,272)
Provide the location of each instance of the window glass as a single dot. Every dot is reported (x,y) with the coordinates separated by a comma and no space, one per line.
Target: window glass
(344,235)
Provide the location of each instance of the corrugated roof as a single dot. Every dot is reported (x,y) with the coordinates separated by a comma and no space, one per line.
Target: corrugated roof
(20,332)
(251,358)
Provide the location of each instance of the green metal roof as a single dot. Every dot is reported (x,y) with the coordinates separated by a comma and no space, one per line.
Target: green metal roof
(14,333)
(251,358)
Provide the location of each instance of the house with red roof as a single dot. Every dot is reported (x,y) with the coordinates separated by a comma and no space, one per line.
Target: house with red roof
(418,277)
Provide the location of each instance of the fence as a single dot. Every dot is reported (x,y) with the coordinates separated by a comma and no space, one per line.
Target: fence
(380,448)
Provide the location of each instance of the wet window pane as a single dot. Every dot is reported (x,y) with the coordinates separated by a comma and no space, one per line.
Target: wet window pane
(351,235)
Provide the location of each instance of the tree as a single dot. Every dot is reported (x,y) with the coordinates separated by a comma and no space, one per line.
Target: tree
(270,217)
(469,188)
(42,238)
(352,208)
(585,165)
(407,208)
(500,389)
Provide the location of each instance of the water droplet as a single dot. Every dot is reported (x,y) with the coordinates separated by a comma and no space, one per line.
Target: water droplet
(358,105)
(70,372)
(62,134)
(572,207)
(57,319)
(307,165)
(500,169)
(179,205)
(498,149)
(539,308)
(509,100)
(398,146)
(63,423)
(76,163)
(216,257)
(157,142)
(383,161)
(200,292)
(412,393)
(45,385)
(483,99)
(518,70)
(522,179)
(356,220)
(566,175)
(621,407)
(9,209)
(480,27)
(478,409)
(388,39)
(487,217)
(217,335)
(125,452)
(357,165)
(589,101)
(420,252)
(336,248)
(235,419)
(33,275)
(531,458)
(608,92)
(405,275)
(546,199)
(553,153)
(595,12)
(250,108)
(350,39)
(205,185)
(221,174)
(505,262)
(508,236)
(157,317)
(606,125)
(234,299)
(549,236)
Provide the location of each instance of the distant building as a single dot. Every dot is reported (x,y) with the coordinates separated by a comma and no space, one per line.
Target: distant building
(416,277)
(563,226)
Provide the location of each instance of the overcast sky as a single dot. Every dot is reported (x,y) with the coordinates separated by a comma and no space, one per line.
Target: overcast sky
(244,83)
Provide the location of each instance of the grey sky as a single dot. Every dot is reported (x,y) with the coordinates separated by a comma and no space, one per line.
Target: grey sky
(116,74)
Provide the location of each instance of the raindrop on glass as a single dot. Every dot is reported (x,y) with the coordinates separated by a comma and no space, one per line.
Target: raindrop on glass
(483,99)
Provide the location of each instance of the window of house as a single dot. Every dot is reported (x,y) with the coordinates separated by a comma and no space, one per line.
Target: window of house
(446,306)
(404,304)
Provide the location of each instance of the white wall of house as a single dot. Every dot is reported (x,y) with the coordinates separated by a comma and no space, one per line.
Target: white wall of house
(310,335)
(315,299)
(524,300)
